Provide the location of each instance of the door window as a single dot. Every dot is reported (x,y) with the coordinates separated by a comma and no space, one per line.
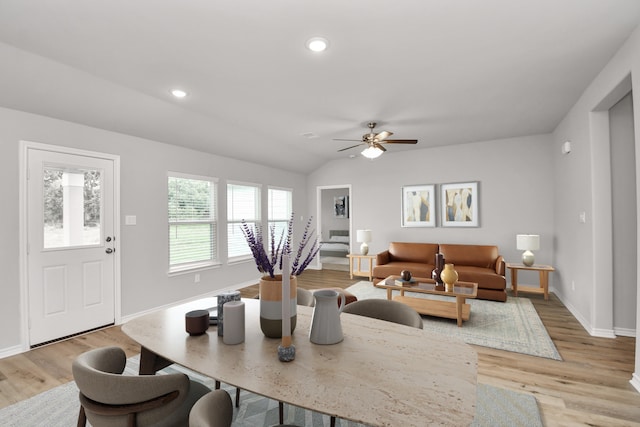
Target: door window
(72,207)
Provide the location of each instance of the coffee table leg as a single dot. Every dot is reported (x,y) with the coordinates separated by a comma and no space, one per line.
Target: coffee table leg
(389,294)
(459,303)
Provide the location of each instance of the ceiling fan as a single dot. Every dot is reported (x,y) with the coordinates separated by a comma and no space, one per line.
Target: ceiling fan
(374,142)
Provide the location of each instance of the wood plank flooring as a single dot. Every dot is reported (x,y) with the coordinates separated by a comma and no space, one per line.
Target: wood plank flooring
(589,387)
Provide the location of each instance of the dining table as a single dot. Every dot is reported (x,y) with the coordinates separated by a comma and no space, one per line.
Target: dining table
(380,374)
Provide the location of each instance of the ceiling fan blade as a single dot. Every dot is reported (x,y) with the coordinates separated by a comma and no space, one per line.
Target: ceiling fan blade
(349,148)
(339,139)
(383,135)
(377,145)
(400,141)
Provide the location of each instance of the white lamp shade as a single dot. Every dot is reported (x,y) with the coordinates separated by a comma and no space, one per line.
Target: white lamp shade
(528,242)
(363,236)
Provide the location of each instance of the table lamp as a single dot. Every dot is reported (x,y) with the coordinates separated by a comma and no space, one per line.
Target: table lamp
(528,243)
(364,236)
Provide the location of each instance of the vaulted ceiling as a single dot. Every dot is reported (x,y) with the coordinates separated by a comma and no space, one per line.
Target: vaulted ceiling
(440,71)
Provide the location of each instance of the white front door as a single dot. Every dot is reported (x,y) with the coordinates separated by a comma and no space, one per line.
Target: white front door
(71,243)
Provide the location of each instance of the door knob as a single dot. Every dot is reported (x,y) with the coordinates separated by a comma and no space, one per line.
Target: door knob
(109,250)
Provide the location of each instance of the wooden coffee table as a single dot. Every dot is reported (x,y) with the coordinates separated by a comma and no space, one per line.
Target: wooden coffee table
(458,310)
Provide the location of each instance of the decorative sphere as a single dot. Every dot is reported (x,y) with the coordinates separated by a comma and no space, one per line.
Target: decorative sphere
(405,274)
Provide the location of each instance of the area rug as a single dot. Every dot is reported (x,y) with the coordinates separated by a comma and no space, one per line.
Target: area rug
(513,325)
(58,407)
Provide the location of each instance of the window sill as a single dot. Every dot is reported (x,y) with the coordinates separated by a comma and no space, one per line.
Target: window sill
(192,269)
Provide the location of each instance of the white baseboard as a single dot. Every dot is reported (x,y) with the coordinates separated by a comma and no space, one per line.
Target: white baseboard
(11,351)
(625,332)
(125,319)
(596,332)
(635,381)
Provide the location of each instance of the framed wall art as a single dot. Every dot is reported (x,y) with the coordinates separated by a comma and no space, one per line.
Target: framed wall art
(341,206)
(419,206)
(459,203)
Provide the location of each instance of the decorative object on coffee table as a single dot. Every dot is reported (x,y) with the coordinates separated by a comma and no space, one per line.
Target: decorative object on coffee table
(528,243)
(435,274)
(449,277)
(405,275)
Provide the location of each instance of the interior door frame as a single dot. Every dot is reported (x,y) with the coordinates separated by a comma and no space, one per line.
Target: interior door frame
(318,264)
(25,146)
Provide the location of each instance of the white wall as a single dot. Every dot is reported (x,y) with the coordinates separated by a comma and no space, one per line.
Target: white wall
(144,251)
(515,192)
(583,183)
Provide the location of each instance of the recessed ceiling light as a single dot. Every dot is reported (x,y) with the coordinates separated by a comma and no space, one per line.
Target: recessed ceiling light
(317,44)
(178,93)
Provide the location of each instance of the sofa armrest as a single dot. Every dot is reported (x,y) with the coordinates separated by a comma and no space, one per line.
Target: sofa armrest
(500,265)
(383,258)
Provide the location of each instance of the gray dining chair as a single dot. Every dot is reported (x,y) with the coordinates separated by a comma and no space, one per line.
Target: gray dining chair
(110,399)
(391,311)
(214,409)
(304,297)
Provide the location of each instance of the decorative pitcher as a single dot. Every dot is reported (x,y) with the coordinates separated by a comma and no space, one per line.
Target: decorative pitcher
(325,323)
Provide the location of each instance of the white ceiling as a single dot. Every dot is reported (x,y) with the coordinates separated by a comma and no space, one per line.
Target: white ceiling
(441,71)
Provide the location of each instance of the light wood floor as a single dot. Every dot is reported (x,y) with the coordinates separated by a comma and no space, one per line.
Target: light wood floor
(590,387)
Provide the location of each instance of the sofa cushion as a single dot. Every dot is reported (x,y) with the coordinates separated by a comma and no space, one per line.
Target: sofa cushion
(485,277)
(417,269)
(473,255)
(413,252)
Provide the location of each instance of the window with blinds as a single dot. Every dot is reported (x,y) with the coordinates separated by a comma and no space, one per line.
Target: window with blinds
(193,224)
(243,203)
(280,207)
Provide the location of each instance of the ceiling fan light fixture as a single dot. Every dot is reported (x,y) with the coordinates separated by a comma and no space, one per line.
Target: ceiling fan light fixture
(317,44)
(372,152)
(178,93)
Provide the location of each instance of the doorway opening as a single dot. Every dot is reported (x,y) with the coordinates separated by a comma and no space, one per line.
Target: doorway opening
(334,226)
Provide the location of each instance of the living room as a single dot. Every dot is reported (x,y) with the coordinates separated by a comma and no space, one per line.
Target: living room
(526,185)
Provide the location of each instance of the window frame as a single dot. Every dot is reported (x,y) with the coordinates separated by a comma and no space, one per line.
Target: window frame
(238,222)
(213,220)
(270,220)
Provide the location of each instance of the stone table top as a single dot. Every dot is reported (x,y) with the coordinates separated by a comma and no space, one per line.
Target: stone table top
(382,374)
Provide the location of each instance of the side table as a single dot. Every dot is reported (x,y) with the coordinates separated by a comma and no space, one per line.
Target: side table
(543,270)
(355,265)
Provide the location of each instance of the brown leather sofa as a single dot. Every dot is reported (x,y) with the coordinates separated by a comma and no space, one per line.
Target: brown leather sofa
(474,263)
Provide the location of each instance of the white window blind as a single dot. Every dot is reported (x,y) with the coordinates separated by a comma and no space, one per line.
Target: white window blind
(243,203)
(192,222)
(280,209)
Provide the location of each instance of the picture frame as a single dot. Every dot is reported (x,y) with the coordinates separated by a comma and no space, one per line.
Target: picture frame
(419,205)
(341,206)
(459,204)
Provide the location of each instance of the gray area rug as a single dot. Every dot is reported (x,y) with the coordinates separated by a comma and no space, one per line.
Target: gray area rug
(58,407)
(513,325)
